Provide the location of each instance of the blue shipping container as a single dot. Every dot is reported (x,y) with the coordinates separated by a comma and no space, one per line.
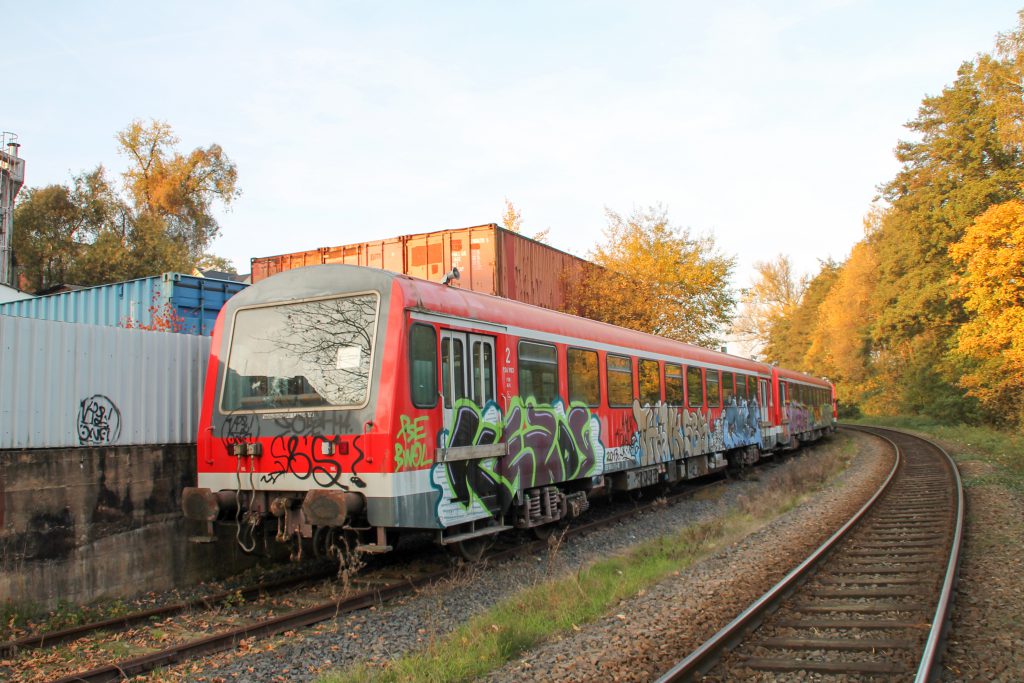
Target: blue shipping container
(172,301)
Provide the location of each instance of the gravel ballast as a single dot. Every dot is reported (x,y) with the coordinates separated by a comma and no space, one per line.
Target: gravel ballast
(711,592)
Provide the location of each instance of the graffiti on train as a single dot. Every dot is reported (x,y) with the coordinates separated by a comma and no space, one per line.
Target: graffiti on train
(545,443)
(666,432)
(411,444)
(301,447)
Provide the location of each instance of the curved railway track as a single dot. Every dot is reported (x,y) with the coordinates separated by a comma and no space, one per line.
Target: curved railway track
(872,603)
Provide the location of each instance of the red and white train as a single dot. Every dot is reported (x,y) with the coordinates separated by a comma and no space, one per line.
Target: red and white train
(348,402)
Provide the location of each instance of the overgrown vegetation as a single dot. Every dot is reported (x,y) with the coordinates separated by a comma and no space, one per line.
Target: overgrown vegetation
(564,604)
(1003,451)
(19,619)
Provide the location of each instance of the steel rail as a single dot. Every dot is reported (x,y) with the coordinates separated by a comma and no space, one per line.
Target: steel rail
(932,655)
(706,656)
(53,638)
(312,615)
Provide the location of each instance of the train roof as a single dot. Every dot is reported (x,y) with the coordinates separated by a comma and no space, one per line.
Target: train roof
(517,317)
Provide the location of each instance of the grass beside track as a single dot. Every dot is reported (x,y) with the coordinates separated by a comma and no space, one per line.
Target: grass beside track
(563,604)
(1002,451)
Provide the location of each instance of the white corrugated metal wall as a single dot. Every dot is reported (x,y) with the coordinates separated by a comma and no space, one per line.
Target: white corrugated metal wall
(69,384)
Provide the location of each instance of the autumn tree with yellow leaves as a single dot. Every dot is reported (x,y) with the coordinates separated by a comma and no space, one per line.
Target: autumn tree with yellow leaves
(773,297)
(656,278)
(159,218)
(991,285)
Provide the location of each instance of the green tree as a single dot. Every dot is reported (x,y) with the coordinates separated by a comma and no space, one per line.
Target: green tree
(91,231)
(656,278)
(49,227)
(959,165)
(791,338)
(178,189)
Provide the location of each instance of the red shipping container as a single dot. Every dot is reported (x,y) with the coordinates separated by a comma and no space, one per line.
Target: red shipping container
(490,259)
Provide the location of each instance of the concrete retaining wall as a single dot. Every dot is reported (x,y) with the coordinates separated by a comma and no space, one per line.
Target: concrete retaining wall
(77,524)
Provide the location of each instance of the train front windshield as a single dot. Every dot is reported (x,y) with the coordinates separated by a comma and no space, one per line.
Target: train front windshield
(302,355)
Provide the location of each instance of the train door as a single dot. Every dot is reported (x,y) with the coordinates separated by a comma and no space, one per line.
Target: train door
(471,417)
(453,373)
(467,372)
(762,399)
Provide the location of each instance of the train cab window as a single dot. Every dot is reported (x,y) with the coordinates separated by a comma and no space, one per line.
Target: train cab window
(674,391)
(423,366)
(584,377)
(728,389)
(308,355)
(453,370)
(650,382)
(694,387)
(620,381)
(482,363)
(712,384)
(538,371)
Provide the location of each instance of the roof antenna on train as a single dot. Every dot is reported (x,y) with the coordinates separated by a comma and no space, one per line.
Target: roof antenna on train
(452,274)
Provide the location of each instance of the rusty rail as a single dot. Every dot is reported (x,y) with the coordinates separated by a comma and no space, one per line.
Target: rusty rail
(714,650)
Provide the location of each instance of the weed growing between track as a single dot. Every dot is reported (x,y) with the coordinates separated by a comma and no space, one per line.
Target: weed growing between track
(1003,451)
(566,603)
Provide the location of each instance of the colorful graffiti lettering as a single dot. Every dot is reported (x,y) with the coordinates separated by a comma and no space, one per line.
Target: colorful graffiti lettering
(465,486)
(659,435)
(411,445)
(666,432)
(545,444)
(799,420)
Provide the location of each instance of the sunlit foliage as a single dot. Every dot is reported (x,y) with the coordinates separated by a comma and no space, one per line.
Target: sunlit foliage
(991,342)
(925,315)
(160,218)
(657,278)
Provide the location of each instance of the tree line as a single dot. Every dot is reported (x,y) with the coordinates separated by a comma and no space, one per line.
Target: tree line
(157,217)
(926,315)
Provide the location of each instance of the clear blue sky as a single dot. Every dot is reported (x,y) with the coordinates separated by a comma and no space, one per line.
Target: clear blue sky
(768,125)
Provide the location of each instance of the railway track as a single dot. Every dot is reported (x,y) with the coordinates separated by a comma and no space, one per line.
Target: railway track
(370,589)
(872,603)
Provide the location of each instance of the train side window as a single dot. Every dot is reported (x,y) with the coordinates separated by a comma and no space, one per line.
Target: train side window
(741,388)
(650,382)
(538,371)
(453,356)
(482,365)
(783,394)
(728,389)
(712,382)
(620,381)
(423,366)
(674,391)
(584,377)
(694,387)
(752,388)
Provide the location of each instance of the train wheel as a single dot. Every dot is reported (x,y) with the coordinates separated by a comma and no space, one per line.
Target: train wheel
(544,531)
(323,538)
(470,550)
